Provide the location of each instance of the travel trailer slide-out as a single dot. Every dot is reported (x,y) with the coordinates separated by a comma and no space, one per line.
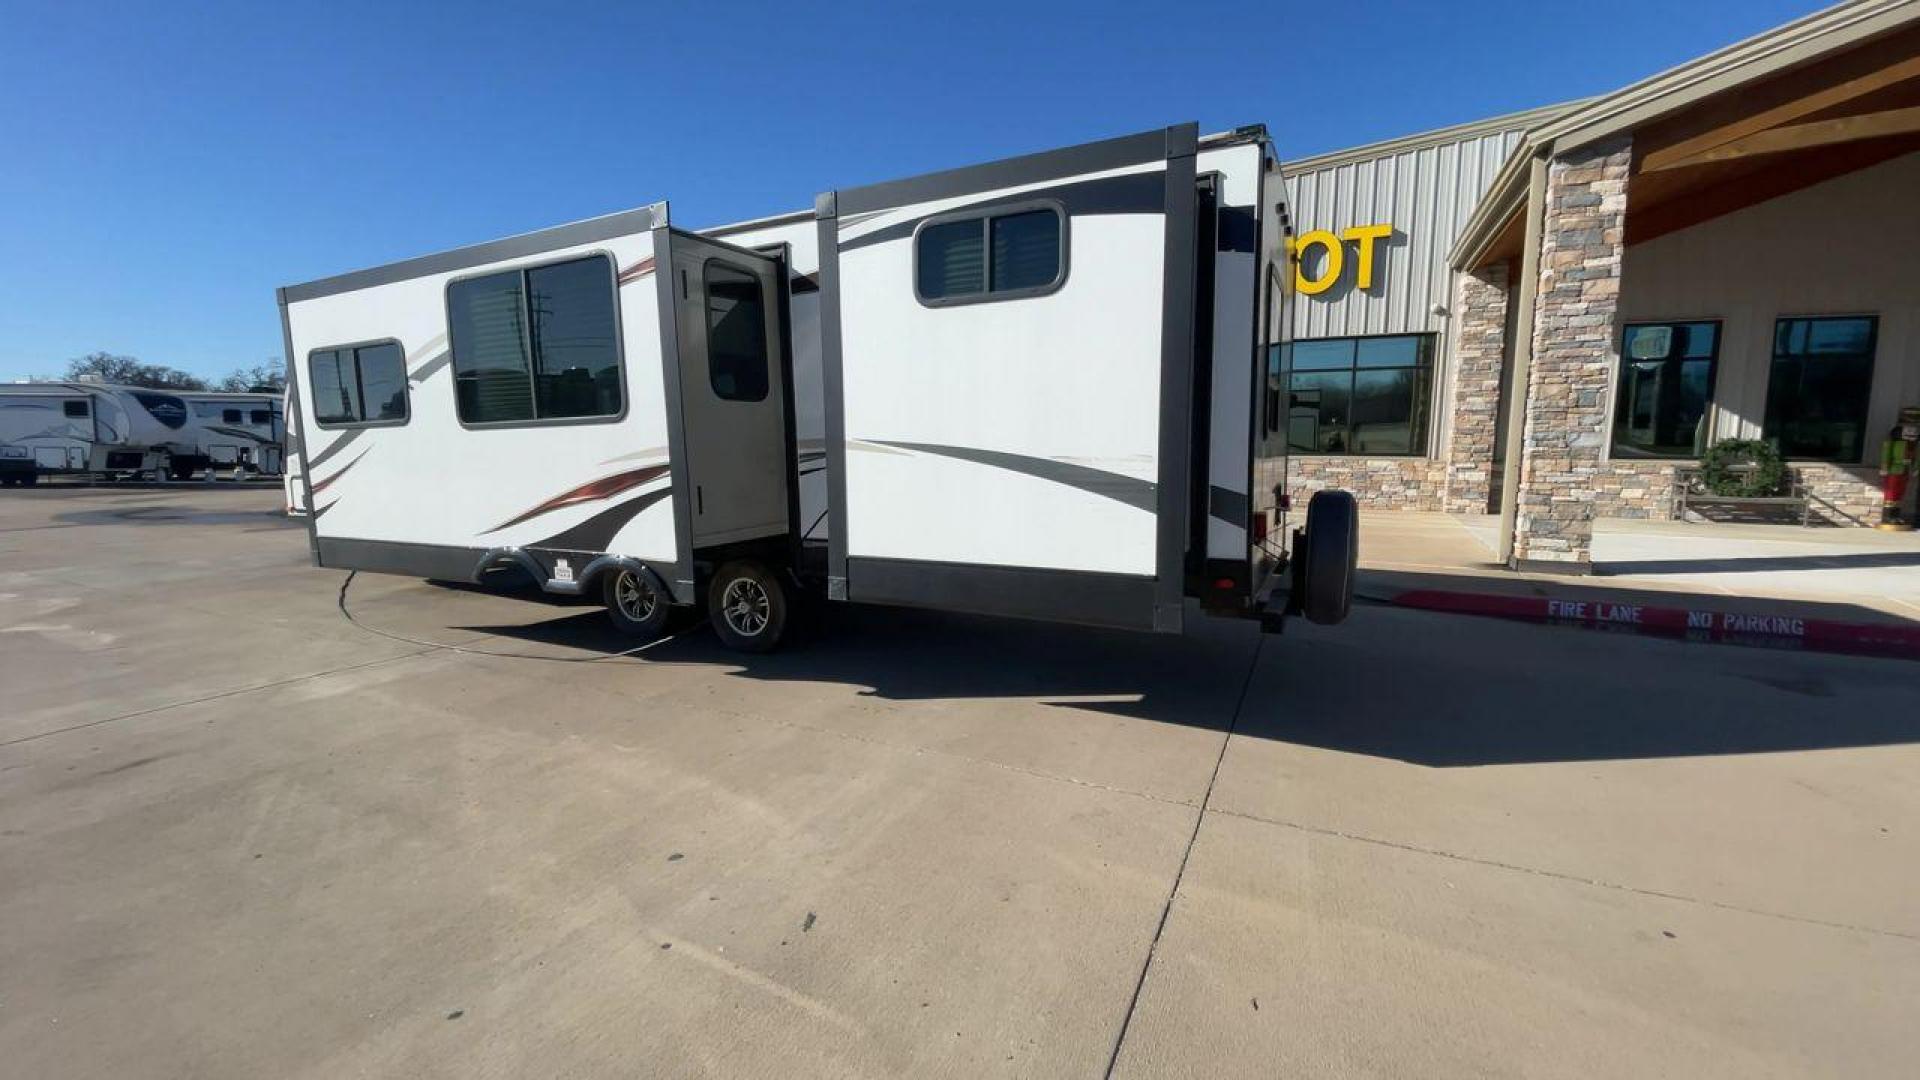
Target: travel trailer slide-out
(72,428)
(1036,388)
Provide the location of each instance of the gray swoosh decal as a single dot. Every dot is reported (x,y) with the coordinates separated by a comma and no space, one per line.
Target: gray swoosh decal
(1134,492)
(426,371)
(335,447)
(596,533)
(1228,506)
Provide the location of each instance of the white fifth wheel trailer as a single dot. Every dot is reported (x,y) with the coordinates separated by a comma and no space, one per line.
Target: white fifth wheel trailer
(240,431)
(1037,388)
(71,428)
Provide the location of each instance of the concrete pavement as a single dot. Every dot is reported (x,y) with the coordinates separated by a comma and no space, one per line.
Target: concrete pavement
(243,836)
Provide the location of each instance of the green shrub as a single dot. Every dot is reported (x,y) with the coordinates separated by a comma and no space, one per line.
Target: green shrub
(1723,469)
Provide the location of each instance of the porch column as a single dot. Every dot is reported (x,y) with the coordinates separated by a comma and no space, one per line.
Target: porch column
(1574,355)
(1479,357)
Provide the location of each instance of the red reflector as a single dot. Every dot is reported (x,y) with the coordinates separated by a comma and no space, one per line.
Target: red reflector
(1286,502)
(1223,583)
(1260,527)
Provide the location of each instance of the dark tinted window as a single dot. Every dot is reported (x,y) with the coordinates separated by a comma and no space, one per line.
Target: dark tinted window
(537,344)
(229,416)
(355,385)
(1818,387)
(736,334)
(1026,250)
(259,416)
(1666,385)
(952,260)
(74,408)
(1358,395)
(1018,253)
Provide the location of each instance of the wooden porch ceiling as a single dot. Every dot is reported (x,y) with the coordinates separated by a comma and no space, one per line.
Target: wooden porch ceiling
(1797,129)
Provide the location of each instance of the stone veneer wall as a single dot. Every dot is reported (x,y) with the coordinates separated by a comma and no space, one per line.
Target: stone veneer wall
(1383,483)
(1843,494)
(1574,353)
(1479,357)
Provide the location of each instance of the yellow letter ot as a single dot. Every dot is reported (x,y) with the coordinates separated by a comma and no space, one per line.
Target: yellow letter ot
(1365,235)
(1329,273)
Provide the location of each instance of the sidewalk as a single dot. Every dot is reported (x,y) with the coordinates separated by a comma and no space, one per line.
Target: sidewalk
(1844,590)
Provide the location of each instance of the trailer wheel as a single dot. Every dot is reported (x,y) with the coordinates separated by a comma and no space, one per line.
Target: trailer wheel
(634,605)
(748,606)
(181,470)
(1332,543)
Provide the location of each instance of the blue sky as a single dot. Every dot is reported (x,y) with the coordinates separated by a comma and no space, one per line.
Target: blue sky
(167,166)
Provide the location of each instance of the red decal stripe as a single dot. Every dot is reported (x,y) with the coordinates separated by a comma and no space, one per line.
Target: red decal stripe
(603,488)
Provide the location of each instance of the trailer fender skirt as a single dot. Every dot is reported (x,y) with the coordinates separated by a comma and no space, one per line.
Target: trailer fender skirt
(592,571)
(501,556)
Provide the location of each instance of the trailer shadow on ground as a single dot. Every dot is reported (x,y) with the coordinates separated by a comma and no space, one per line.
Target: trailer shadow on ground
(1448,700)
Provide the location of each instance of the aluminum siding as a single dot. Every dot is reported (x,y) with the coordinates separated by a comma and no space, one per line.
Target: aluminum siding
(1427,194)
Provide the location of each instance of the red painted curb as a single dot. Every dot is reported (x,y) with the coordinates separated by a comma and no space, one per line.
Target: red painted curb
(1781,630)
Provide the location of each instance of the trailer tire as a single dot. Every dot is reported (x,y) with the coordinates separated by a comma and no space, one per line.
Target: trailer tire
(633,603)
(29,479)
(181,470)
(747,604)
(1332,542)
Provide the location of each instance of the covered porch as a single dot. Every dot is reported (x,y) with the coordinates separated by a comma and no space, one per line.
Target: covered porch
(1725,251)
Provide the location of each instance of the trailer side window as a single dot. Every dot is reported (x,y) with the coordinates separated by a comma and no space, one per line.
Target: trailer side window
(536,344)
(75,409)
(736,334)
(229,416)
(1008,254)
(259,416)
(356,384)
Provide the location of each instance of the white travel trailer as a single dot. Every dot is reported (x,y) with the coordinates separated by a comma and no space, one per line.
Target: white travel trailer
(241,431)
(71,428)
(1036,388)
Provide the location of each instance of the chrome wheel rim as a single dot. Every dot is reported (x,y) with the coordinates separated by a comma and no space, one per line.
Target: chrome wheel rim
(746,607)
(634,597)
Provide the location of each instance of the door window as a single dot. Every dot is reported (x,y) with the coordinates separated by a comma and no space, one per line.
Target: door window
(736,333)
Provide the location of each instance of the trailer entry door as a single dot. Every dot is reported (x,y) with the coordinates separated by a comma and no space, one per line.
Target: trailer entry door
(732,391)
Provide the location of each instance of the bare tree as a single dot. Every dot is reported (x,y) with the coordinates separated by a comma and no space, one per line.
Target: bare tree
(260,378)
(129,371)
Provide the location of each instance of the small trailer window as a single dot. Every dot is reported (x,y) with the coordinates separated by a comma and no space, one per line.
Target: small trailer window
(1013,252)
(356,384)
(259,416)
(540,343)
(76,409)
(736,334)
(230,416)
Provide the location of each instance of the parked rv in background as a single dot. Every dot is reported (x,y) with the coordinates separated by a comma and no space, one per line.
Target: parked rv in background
(293,475)
(1033,388)
(245,431)
(72,428)
(82,428)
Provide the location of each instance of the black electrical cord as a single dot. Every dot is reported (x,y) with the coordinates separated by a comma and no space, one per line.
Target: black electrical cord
(624,654)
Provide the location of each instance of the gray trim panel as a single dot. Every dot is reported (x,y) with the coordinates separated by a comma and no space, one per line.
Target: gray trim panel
(1155,145)
(298,407)
(1110,600)
(432,561)
(681,583)
(833,392)
(592,230)
(1176,387)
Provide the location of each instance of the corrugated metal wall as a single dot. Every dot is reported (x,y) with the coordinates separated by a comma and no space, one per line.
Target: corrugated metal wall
(1426,194)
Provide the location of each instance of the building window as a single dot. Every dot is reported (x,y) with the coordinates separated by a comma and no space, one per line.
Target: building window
(536,344)
(358,384)
(1367,395)
(1016,252)
(1666,384)
(1818,387)
(75,409)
